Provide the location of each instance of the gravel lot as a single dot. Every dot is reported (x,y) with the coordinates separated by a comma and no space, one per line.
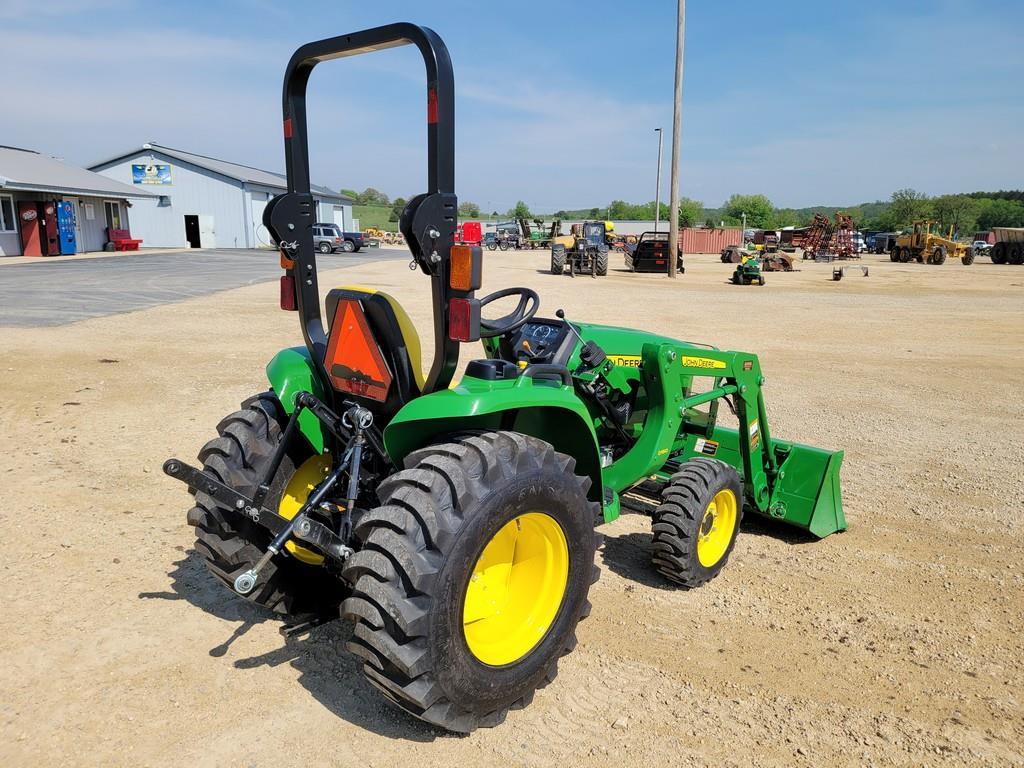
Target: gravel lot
(896,643)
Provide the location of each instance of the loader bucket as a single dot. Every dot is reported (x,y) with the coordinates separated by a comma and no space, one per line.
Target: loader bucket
(806,492)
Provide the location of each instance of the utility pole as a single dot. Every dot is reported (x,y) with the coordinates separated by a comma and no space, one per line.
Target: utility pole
(657,194)
(673,230)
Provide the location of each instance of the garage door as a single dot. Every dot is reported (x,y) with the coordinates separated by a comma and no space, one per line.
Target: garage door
(261,237)
(339,218)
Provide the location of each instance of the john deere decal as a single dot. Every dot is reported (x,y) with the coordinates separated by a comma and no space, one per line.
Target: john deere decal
(702,362)
(632,361)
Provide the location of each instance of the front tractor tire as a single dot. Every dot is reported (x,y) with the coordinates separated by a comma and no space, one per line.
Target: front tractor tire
(695,525)
(471,577)
(230,543)
(557,259)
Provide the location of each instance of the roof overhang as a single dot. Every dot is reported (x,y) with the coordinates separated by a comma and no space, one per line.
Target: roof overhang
(18,186)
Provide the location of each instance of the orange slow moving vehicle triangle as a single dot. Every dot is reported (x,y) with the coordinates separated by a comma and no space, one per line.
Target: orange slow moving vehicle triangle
(354,361)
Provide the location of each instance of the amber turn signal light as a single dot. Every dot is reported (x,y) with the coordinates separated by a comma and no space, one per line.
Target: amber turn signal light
(465,267)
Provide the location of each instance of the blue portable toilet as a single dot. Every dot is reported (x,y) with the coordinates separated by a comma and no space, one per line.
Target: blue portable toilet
(66,227)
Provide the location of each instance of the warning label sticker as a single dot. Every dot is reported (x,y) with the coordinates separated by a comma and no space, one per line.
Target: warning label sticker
(707,447)
(702,362)
(755,434)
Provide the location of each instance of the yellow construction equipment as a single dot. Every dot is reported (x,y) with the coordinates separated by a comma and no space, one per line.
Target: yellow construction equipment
(922,244)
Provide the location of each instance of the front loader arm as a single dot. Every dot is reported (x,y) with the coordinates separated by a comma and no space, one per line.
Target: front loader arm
(668,370)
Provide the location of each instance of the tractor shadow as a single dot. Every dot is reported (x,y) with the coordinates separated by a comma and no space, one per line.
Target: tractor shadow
(326,669)
(629,555)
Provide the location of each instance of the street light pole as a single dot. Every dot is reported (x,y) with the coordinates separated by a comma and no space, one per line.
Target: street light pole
(657,194)
(673,228)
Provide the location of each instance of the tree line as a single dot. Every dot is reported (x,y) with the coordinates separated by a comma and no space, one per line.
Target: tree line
(965,213)
(371,196)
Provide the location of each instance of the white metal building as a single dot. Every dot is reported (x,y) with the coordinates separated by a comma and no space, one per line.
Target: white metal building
(30,183)
(204,202)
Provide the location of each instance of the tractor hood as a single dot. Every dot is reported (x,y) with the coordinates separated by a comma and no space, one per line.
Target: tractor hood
(623,345)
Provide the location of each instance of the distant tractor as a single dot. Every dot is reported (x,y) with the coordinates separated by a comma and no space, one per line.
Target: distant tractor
(1009,245)
(922,244)
(537,235)
(584,250)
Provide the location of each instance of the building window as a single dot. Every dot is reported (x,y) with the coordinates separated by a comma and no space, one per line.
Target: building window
(7,219)
(113,211)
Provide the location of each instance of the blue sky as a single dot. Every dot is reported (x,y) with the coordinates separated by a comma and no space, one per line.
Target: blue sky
(807,102)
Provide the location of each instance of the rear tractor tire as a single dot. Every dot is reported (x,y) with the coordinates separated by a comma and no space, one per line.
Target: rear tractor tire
(998,253)
(602,263)
(1016,256)
(230,543)
(472,576)
(695,525)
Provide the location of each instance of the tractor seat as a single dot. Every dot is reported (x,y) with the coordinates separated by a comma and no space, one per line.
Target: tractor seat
(393,340)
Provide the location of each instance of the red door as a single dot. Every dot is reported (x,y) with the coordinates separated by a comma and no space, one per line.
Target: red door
(28,213)
(50,231)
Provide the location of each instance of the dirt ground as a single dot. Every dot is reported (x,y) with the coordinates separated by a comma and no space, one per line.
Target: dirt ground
(898,642)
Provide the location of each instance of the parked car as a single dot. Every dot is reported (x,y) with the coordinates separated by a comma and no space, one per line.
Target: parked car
(981,247)
(328,238)
(859,245)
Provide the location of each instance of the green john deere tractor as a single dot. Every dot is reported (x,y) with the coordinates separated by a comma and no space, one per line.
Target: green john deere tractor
(454,523)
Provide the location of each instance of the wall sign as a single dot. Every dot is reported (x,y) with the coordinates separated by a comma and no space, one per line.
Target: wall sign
(151,173)
(90,212)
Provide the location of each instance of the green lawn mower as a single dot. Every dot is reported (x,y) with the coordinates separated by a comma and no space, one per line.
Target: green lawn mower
(455,523)
(748,272)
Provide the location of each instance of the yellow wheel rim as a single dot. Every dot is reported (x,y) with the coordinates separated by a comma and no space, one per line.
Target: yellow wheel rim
(716,528)
(308,475)
(515,589)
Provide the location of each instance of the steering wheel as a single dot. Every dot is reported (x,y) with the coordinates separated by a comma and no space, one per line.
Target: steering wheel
(529,303)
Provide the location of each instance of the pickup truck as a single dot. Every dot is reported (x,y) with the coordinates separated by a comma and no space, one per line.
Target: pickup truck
(328,238)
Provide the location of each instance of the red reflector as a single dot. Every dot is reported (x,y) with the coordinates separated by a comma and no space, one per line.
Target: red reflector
(463,320)
(288,293)
(288,128)
(431,106)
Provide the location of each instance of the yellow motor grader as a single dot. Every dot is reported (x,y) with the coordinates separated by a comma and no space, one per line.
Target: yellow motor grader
(922,244)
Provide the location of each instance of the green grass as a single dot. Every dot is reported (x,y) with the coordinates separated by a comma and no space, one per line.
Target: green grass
(374,216)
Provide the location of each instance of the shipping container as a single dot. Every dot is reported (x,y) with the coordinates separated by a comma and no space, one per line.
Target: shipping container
(987,237)
(700,240)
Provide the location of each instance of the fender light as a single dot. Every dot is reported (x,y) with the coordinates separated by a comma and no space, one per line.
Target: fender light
(288,293)
(465,267)
(464,320)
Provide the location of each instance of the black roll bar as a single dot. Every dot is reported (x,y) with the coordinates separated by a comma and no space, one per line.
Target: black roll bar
(290,217)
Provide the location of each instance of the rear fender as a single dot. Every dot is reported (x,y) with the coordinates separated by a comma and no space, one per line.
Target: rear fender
(540,408)
(292,371)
